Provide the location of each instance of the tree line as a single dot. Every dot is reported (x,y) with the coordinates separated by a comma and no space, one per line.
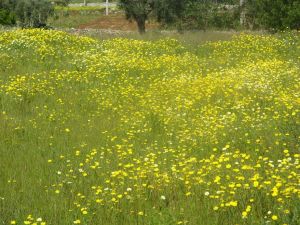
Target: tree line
(25,13)
(221,14)
(271,15)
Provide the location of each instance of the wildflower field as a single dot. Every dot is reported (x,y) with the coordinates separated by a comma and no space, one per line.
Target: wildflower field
(128,132)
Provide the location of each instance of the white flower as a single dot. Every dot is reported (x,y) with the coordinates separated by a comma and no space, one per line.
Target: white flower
(206,193)
(163,197)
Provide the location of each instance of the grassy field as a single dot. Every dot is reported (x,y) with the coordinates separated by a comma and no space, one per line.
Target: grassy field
(124,131)
(75,17)
(68,19)
(90,1)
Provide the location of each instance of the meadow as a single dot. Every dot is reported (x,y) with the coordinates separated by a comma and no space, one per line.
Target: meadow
(123,131)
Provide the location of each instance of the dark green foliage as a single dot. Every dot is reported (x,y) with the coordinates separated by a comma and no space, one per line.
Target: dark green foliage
(61,2)
(226,14)
(29,13)
(33,13)
(293,18)
(183,14)
(7,17)
(274,14)
(208,14)
(165,11)
(221,14)
(170,11)
(197,15)
(138,10)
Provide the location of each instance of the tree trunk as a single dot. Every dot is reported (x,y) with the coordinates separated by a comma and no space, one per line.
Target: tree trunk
(243,13)
(106,8)
(141,23)
(84,3)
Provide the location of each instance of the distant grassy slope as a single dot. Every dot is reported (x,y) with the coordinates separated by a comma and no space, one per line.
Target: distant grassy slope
(74,17)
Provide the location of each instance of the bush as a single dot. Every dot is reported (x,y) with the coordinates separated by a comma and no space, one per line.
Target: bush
(33,13)
(61,2)
(7,17)
(274,15)
(204,15)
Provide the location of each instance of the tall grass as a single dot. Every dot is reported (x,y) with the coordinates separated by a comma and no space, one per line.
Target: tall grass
(124,131)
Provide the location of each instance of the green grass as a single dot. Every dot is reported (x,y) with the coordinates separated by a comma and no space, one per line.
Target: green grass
(190,39)
(89,1)
(73,17)
(72,20)
(80,8)
(150,131)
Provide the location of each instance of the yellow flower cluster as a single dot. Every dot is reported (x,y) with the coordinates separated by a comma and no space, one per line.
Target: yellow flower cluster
(30,220)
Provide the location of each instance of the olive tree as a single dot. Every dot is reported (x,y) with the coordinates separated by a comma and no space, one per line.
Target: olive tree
(165,11)
(33,13)
(138,10)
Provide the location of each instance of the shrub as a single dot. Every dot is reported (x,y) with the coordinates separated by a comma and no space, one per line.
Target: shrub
(7,17)
(33,13)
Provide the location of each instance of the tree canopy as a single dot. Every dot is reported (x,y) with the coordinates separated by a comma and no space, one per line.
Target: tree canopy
(165,11)
(29,13)
(138,10)
(221,14)
(7,16)
(271,15)
(274,14)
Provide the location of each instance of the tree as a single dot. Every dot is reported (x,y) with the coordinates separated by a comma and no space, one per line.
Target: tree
(274,14)
(29,13)
(33,13)
(165,11)
(138,10)
(243,12)
(171,11)
(7,16)
(61,2)
(204,14)
(197,15)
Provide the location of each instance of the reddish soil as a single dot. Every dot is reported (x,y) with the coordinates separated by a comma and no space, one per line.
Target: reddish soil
(114,22)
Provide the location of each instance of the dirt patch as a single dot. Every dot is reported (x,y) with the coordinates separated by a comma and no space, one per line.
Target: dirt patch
(115,22)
